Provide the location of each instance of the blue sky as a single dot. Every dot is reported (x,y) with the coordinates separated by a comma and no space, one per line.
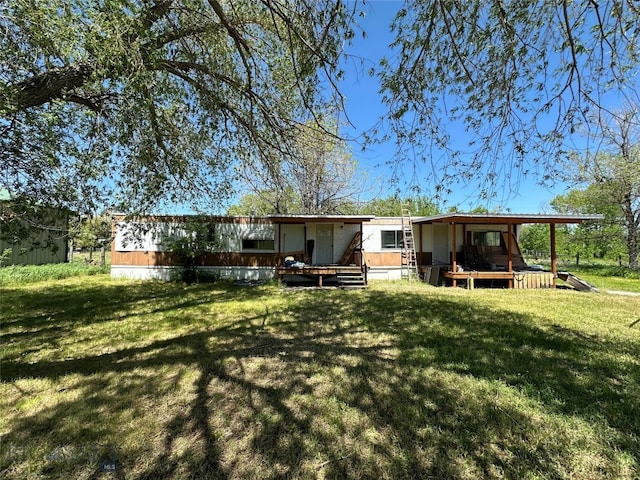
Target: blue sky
(364,109)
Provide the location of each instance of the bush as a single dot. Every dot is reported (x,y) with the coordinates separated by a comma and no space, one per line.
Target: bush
(191,275)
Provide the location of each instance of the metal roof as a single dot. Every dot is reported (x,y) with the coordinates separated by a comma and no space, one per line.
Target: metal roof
(506,218)
(320,218)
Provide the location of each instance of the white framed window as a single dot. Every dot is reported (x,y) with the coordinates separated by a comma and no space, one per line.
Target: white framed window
(487,239)
(391,239)
(258,244)
(258,237)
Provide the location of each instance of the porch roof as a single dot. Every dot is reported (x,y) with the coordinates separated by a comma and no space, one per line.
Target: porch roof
(320,218)
(508,218)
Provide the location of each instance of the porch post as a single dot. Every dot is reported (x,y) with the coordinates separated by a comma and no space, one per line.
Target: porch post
(510,254)
(363,263)
(454,266)
(420,237)
(554,261)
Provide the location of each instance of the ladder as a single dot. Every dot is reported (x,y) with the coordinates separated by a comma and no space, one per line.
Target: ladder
(409,266)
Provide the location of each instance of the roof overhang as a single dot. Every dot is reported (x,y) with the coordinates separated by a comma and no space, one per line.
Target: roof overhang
(505,219)
(320,218)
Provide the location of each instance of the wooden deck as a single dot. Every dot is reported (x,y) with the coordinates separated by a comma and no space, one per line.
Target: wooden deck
(520,279)
(319,271)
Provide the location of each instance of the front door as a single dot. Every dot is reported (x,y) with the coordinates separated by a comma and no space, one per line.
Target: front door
(440,244)
(324,244)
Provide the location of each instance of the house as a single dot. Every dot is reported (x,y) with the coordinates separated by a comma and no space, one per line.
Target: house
(32,236)
(250,248)
(448,248)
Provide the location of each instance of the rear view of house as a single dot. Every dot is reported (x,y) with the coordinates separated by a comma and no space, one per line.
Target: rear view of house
(445,248)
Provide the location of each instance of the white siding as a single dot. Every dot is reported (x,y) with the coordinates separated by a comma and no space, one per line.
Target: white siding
(342,236)
(154,237)
(165,273)
(292,237)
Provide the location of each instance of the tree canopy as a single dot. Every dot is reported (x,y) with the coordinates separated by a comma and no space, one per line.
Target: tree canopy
(132,102)
(510,81)
(319,176)
(135,102)
(609,177)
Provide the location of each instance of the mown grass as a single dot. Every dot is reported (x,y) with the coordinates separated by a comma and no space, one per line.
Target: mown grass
(601,273)
(399,381)
(609,277)
(22,274)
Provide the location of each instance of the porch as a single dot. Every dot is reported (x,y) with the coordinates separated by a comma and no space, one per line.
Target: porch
(322,248)
(520,279)
(484,248)
(319,272)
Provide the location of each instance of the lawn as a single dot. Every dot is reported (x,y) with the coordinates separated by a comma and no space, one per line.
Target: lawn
(164,380)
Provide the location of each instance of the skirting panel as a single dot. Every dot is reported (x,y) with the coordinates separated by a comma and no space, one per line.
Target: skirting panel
(384,273)
(165,273)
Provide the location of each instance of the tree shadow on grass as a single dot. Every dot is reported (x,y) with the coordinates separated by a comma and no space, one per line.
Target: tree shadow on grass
(340,385)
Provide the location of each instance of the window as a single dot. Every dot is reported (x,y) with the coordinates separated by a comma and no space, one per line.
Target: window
(487,239)
(255,244)
(392,239)
(211,232)
(258,237)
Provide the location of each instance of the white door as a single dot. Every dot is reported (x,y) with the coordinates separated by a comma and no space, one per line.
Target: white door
(324,244)
(441,244)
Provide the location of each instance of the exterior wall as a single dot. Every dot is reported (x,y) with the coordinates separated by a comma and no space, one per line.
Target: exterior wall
(154,272)
(45,246)
(292,237)
(384,263)
(142,252)
(342,236)
(148,258)
(154,236)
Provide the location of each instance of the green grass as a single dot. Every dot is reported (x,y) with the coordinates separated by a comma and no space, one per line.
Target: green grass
(603,274)
(22,274)
(609,277)
(399,381)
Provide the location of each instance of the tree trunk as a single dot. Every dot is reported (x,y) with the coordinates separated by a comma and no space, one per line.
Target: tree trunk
(632,247)
(51,85)
(632,231)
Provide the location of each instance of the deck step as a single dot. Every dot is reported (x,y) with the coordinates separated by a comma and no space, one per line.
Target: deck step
(576,282)
(352,281)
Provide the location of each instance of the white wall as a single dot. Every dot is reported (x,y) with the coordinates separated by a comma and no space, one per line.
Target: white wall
(342,236)
(292,237)
(372,235)
(154,237)
(144,272)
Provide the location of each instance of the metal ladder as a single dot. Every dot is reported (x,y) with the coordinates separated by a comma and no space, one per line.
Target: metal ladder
(409,266)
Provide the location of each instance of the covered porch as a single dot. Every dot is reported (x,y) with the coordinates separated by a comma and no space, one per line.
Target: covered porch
(320,248)
(484,248)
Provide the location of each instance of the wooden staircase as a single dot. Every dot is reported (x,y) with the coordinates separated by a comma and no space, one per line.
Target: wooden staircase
(355,243)
(409,265)
(352,281)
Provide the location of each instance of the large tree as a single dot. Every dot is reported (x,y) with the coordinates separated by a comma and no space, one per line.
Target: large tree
(597,239)
(317,176)
(419,205)
(132,102)
(611,174)
(140,100)
(489,91)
